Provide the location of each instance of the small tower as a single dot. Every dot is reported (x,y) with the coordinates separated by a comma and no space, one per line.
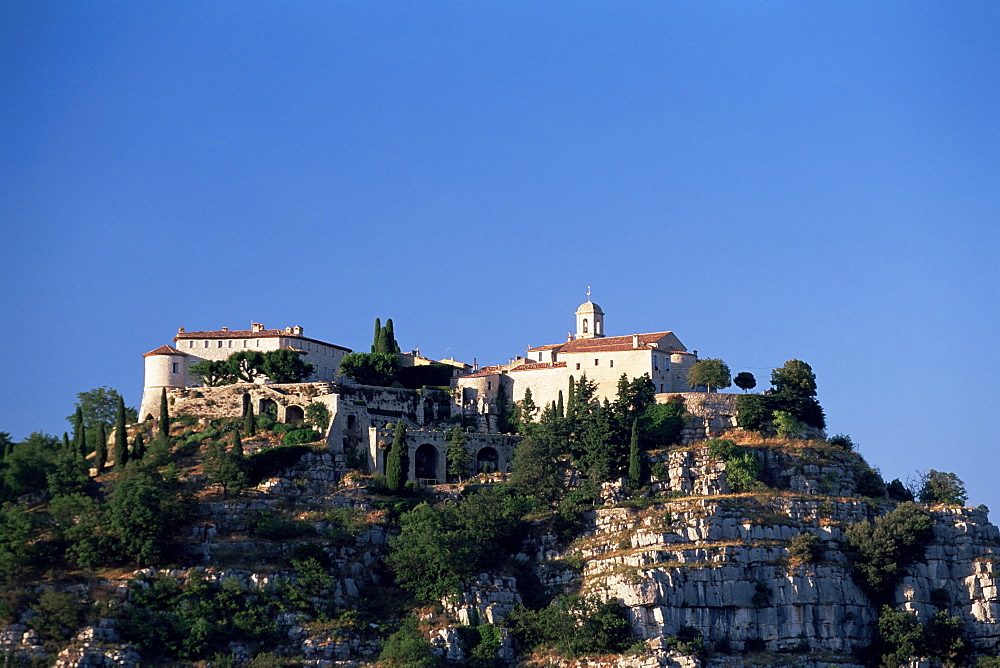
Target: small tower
(166,368)
(589,320)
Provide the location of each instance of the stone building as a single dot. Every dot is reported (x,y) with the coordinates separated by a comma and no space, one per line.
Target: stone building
(546,370)
(167,366)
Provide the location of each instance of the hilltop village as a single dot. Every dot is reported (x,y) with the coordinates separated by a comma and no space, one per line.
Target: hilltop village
(476,398)
(281,500)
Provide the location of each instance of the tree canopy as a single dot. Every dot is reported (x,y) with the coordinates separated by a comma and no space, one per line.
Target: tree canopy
(370,368)
(745,381)
(795,378)
(99,405)
(710,373)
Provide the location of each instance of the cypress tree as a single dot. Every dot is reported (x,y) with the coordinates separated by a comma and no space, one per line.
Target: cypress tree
(121,437)
(66,444)
(100,448)
(79,433)
(237,445)
(164,415)
(8,448)
(390,338)
(377,335)
(560,408)
(249,422)
(634,459)
(138,447)
(397,466)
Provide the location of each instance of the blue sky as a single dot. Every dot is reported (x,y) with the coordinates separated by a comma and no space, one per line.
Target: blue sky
(769,180)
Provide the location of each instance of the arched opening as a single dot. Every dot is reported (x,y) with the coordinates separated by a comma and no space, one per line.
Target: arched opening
(149,416)
(597,327)
(584,325)
(268,407)
(246,402)
(487,460)
(294,415)
(425,461)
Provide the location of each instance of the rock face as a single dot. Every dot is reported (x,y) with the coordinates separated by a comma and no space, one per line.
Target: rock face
(720,562)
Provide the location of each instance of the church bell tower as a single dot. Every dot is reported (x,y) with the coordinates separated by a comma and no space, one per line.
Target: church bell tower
(589,320)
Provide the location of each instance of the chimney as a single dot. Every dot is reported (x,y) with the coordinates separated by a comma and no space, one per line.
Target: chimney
(256,327)
(296,330)
(288,330)
(225,329)
(635,340)
(180,330)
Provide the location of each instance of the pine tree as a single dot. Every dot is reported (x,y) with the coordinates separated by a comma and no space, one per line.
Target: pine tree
(249,422)
(397,466)
(164,416)
(634,458)
(121,437)
(100,448)
(138,447)
(377,335)
(79,434)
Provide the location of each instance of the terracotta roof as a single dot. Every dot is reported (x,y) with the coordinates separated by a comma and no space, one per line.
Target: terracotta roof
(250,334)
(548,347)
(532,366)
(165,350)
(610,343)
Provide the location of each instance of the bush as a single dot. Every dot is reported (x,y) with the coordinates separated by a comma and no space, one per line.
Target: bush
(688,641)
(941,487)
(57,615)
(270,527)
(300,436)
(753,411)
(883,549)
(842,441)
(805,548)
(267,463)
(742,466)
(407,648)
(897,491)
(870,484)
(574,626)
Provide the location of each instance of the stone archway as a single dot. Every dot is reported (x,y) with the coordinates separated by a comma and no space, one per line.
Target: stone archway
(425,463)
(294,415)
(269,407)
(487,460)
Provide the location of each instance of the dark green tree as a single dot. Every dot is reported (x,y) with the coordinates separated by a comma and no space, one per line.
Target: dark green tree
(942,487)
(897,491)
(245,365)
(795,378)
(249,421)
(633,397)
(225,469)
(138,447)
(745,381)
(285,366)
(318,416)
(709,373)
(164,416)
(67,447)
(99,405)
(397,460)
(121,437)
(526,411)
(6,445)
(506,419)
(101,448)
(457,454)
(660,425)
(377,345)
(391,346)
(882,549)
(634,457)
(432,554)
(560,406)
(15,543)
(213,373)
(407,648)
(370,368)
(139,515)
(26,468)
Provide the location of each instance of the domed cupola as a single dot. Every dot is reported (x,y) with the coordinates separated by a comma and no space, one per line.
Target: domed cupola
(589,320)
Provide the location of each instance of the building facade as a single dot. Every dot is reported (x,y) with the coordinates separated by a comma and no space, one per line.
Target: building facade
(167,367)
(546,370)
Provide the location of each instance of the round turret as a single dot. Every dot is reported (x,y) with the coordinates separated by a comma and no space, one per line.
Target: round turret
(166,368)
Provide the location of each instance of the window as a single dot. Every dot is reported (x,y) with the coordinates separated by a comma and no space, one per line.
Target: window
(661,387)
(246,342)
(611,364)
(597,362)
(220,344)
(584,325)
(175,367)
(190,344)
(206,344)
(230,343)
(577,366)
(489,385)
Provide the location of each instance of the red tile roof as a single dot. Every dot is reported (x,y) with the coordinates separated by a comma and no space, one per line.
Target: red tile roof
(548,347)
(165,350)
(250,334)
(532,366)
(605,344)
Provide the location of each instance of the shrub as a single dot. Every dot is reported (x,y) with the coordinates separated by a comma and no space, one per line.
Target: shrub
(300,436)
(787,426)
(753,411)
(279,528)
(870,484)
(267,463)
(884,548)
(57,615)
(688,641)
(897,491)
(805,548)
(942,487)
(842,441)
(742,466)
(573,626)
(407,648)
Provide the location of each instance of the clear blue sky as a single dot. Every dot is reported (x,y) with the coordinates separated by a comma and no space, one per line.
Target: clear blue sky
(769,180)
